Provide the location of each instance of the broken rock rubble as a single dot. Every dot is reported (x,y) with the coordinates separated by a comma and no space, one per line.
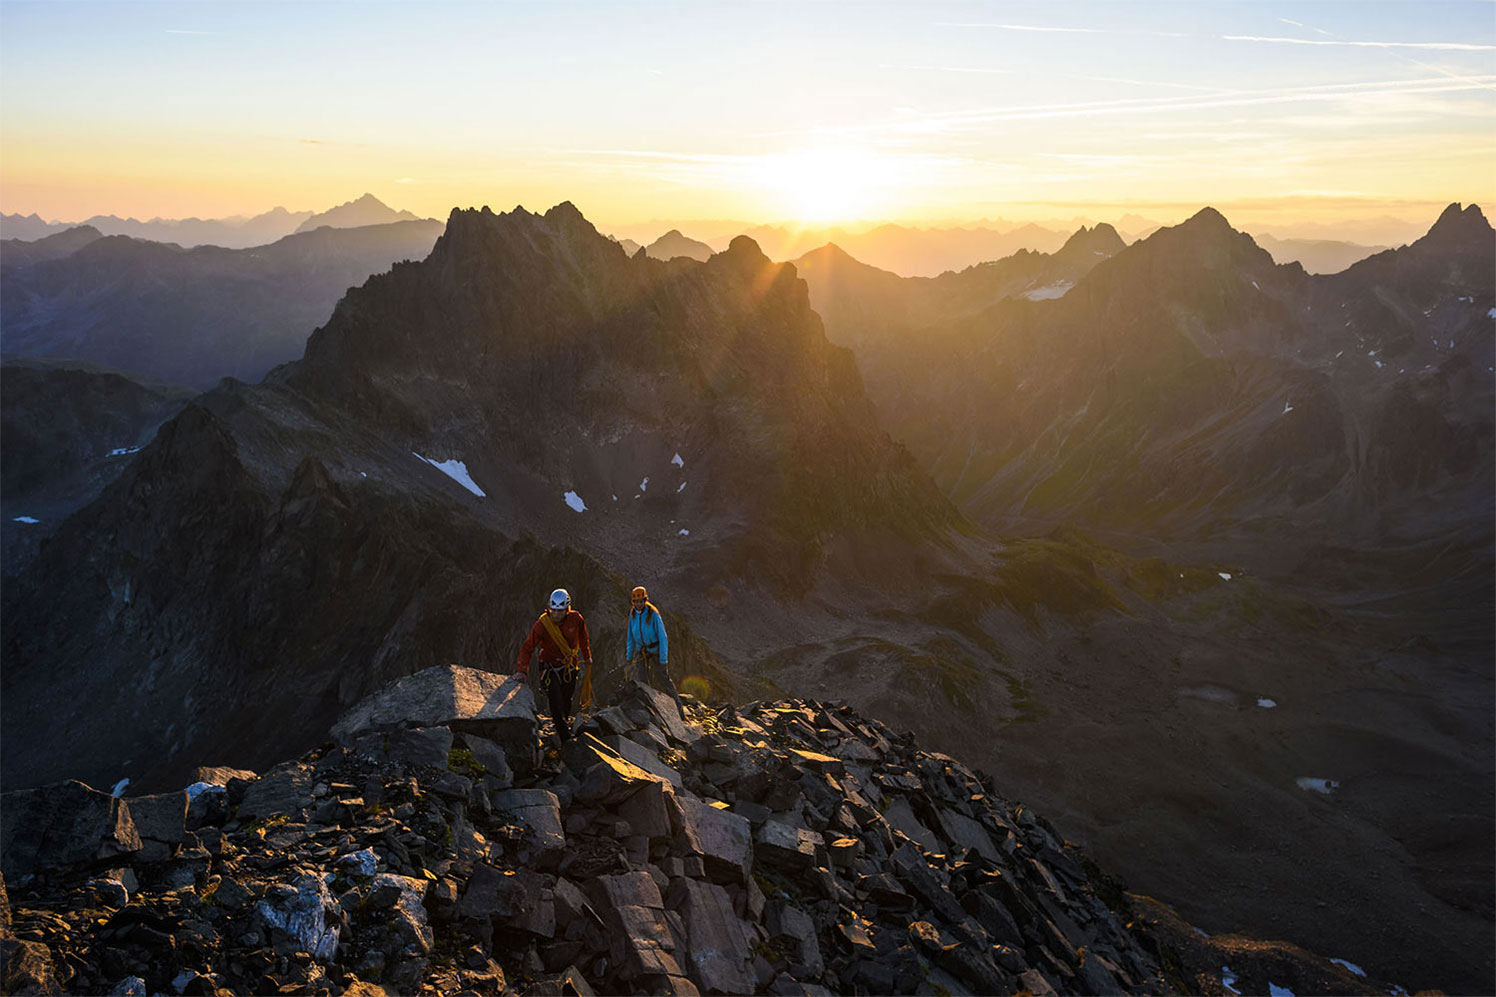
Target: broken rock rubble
(730,850)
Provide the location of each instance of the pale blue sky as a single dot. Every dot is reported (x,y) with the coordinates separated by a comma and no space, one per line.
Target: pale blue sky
(762,111)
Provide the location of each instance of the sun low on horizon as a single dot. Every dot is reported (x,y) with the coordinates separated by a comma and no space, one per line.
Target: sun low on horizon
(940,114)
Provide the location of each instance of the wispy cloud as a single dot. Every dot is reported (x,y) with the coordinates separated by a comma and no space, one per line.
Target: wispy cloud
(1069,76)
(947,69)
(405,180)
(1058,30)
(1265,39)
(186,31)
(1439,46)
(1335,92)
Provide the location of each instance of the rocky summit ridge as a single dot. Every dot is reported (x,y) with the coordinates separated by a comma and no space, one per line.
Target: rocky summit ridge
(792,847)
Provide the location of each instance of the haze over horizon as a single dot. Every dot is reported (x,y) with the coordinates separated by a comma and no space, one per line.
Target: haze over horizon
(1280,115)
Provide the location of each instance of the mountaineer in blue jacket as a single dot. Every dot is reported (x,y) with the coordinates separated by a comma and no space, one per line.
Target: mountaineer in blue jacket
(648,650)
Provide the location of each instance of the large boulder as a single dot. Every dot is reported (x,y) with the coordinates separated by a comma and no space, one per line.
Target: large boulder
(539,811)
(465,700)
(642,944)
(723,839)
(62,824)
(406,746)
(303,914)
(720,952)
(641,756)
(161,821)
(607,779)
(664,711)
(285,789)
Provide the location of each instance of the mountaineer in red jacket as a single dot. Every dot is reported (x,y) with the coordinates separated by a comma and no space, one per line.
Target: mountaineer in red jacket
(559,641)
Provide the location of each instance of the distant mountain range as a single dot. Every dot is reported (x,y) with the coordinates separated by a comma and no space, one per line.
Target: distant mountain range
(230,233)
(673,244)
(187,316)
(366,210)
(921,252)
(1318,255)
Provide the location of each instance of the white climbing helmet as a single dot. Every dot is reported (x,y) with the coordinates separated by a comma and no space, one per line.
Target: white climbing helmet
(561,599)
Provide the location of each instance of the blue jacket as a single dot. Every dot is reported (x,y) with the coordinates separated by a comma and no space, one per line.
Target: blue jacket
(647,633)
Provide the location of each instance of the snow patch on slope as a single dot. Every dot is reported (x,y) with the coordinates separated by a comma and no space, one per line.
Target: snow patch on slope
(457,471)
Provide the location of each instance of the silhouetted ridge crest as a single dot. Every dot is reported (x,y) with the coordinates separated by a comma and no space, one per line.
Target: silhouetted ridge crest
(744,250)
(1456,225)
(1101,239)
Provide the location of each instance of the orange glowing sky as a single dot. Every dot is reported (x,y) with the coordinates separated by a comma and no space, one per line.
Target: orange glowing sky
(812,113)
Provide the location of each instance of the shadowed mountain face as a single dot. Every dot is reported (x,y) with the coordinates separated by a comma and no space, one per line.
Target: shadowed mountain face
(187,316)
(65,433)
(1326,443)
(1191,389)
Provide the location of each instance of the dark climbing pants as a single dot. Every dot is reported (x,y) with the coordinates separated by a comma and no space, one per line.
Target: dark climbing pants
(560,685)
(649,669)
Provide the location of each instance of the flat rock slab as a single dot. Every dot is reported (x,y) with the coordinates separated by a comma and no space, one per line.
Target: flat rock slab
(967,833)
(162,817)
(608,779)
(493,892)
(285,789)
(462,699)
(666,713)
(793,848)
(719,953)
(724,839)
(490,755)
(641,756)
(647,813)
(407,746)
(61,824)
(901,816)
(219,775)
(629,889)
(539,811)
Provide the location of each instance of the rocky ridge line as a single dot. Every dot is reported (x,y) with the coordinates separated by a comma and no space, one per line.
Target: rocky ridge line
(792,847)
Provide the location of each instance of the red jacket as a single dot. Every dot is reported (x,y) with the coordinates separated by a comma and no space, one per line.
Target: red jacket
(572,627)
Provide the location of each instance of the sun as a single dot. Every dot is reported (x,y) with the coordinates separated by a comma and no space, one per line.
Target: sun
(827,184)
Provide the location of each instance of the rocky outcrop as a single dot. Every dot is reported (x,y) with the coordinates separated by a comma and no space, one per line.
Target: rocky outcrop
(791,847)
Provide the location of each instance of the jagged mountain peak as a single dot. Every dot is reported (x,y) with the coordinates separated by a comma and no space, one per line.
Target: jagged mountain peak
(1458,225)
(674,243)
(1205,239)
(745,251)
(1207,217)
(1100,239)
